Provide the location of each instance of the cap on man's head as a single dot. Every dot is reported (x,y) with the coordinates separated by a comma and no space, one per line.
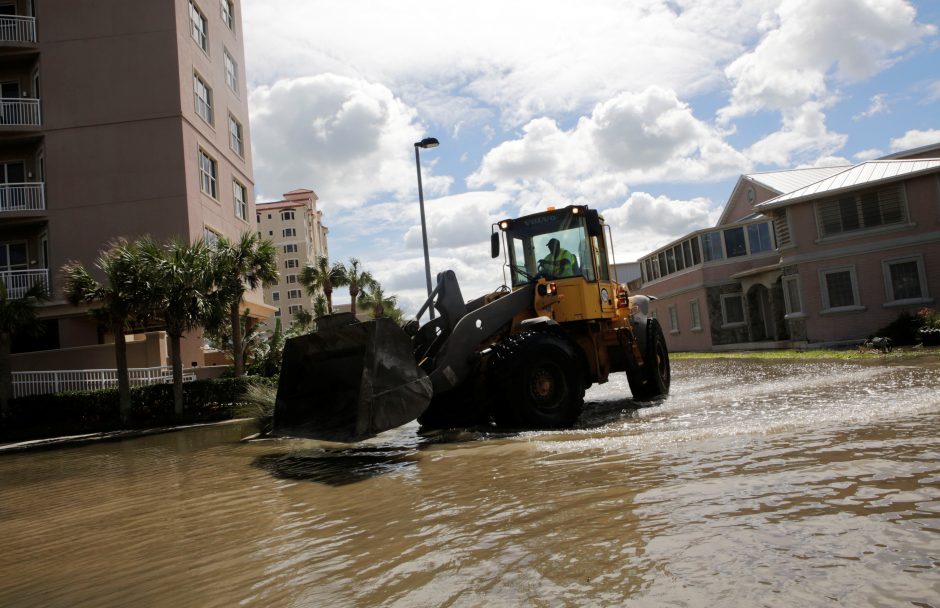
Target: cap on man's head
(552,243)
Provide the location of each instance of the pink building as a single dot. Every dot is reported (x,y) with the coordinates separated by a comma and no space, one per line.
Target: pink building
(807,256)
(118,118)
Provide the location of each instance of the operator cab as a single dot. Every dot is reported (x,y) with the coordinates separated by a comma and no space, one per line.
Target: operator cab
(530,241)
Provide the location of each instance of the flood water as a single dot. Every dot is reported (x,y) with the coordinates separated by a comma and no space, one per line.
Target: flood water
(754,484)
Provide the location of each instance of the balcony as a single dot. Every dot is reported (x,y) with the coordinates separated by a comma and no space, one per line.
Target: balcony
(14,28)
(18,282)
(19,112)
(27,196)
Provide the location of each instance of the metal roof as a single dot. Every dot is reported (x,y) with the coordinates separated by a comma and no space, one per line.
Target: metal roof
(793,179)
(865,174)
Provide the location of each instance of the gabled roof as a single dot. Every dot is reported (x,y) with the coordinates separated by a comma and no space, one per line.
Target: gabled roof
(793,179)
(866,174)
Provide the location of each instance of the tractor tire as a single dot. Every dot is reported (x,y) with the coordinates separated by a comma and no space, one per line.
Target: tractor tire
(651,381)
(536,381)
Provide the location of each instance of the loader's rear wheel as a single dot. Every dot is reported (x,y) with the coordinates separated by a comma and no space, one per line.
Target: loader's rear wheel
(651,381)
(536,381)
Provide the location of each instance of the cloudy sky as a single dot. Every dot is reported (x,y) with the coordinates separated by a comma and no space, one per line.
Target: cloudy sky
(648,110)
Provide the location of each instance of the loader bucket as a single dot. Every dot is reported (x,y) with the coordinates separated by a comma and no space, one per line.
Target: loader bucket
(349,382)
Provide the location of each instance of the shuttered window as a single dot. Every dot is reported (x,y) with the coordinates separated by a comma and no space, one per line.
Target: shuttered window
(861,211)
(782,228)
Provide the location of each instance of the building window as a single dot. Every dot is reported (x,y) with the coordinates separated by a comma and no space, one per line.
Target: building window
(231,71)
(862,211)
(235,140)
(276,296)
(294,309)
(711,243)
(905,279)
(277,313)
(203,98)
(294,294)
(732,309)
(210,236)
(696,315)
(199,25)
(792,300)
(289,232)
(291,278)
(241,200)
(228,14)
(208,174)
(839,288)
(292,248)
(758,238)
(734,242)
(292,263)
(673,319)
(287,215)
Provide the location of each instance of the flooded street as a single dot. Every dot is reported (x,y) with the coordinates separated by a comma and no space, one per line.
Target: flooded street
(755,484)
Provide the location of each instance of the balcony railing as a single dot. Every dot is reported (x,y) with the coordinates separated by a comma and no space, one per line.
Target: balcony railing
(19,111)
(26,196)
(14,28)
(55,381)
(18,282)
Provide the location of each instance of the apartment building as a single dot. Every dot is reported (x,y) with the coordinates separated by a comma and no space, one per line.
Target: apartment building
(805,256)
(118,118)
(295,226)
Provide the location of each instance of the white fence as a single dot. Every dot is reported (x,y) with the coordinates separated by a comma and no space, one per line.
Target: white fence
(18,282)
(55,381)
(26,196)
(14,28)
(19,111)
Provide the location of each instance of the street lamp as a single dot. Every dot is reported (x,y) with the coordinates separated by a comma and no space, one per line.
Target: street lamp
(426,143)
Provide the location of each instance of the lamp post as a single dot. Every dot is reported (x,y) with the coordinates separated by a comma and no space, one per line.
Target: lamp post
(426,143)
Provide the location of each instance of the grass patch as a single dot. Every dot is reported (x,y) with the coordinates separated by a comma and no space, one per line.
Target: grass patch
(816,353)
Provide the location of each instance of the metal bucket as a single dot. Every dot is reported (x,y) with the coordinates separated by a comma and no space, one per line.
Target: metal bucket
(349,381)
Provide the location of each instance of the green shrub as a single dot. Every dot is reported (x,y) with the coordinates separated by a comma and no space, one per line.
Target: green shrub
(78,412)
(903,330)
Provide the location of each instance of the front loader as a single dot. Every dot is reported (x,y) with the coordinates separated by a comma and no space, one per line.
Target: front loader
(519,357)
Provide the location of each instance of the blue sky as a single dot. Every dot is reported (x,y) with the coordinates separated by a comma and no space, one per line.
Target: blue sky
(648,110)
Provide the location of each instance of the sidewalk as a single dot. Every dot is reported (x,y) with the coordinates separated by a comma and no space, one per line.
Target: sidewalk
(78,440)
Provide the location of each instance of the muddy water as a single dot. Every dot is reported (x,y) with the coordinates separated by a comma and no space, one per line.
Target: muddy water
(754,484)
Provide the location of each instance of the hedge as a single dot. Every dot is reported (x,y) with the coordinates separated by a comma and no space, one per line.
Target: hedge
(79,412)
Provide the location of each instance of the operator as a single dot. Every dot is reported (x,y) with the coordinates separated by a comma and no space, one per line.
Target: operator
(559,262)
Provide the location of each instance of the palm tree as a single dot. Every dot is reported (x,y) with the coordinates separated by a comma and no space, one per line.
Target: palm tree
(125,298)
(322,277)
(302,322)
(243,265)
(356,278)
(16,315)
(319,306)
(374,298)
(185,288)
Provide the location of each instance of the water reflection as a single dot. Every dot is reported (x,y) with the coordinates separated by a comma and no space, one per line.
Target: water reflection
(803,483)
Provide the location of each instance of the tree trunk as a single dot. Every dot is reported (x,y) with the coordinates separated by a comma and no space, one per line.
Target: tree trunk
(328,292)
(6,375)
(176,358)
(237,353)
(353,292)
(124,384)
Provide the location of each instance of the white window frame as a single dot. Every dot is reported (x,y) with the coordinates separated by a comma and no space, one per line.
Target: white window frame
(202,94)
(890,299)
(288,232)
(673,319)
(293,309)
(240,196)
(695,315)
(725,323)
(292,263)
(210,236)
(231,70)
(290,248)
(236,140)
(199,26)
(291,278)
(287,216)
(208,174)
(792,311)
(275,296)
(824,290)
(294,294)
(228,14)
